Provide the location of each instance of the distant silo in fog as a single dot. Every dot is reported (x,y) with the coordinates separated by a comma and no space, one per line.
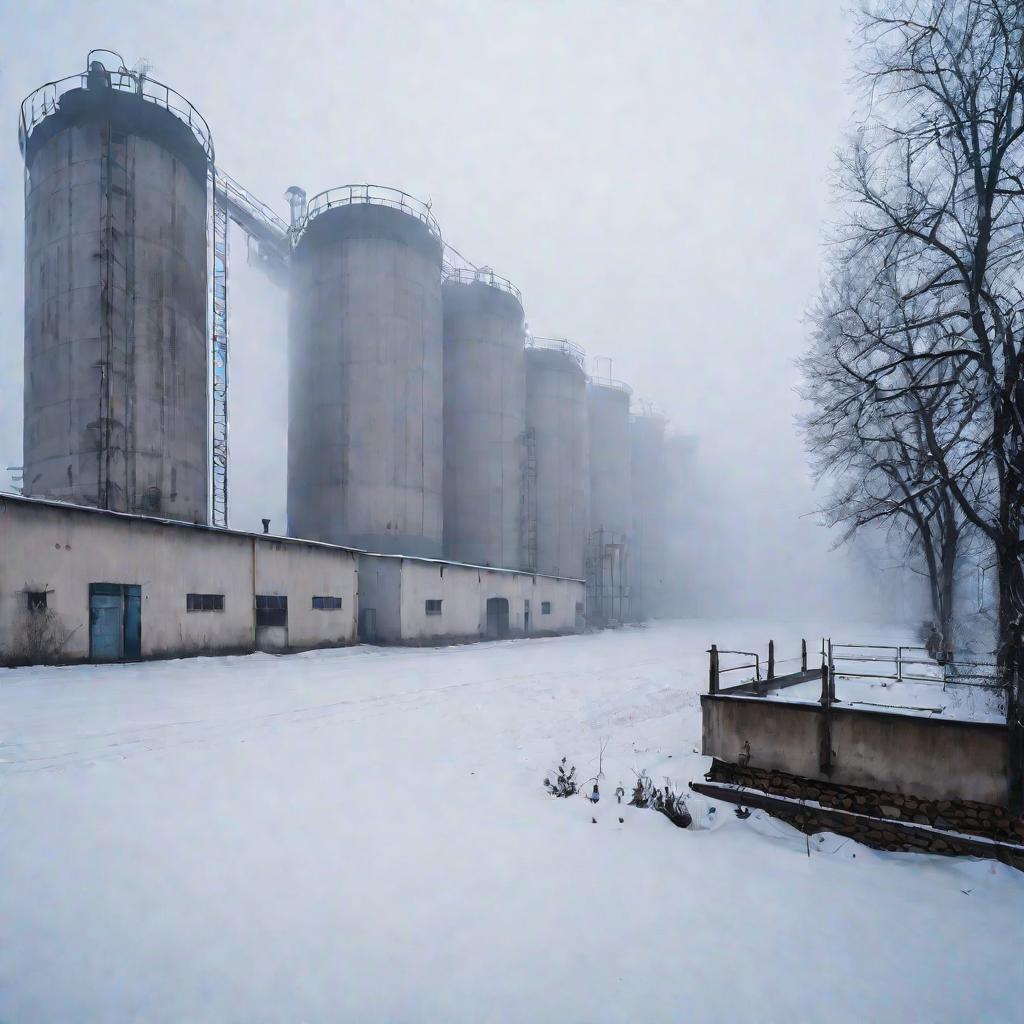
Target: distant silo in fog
(650,525)
(557,479)
(611,504)
(484,420)
(365,409)
(116,352)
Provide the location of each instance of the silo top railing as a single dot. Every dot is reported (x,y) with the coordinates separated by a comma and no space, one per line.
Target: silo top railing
(463,275)
(612,384)
(374,195)
(563,345)
(45,100)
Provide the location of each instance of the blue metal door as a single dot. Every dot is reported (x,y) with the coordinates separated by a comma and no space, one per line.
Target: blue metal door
(132,622)
(115,621)
(106,626)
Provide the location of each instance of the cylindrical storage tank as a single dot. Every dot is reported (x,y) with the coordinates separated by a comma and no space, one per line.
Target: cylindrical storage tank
(650,515)
(484,420)
(558,485)
(116,351)
(365,411)
(611,505)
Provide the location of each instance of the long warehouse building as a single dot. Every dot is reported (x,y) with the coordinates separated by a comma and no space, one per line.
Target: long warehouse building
(82,584)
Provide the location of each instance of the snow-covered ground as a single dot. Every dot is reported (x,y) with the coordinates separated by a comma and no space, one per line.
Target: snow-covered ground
(363,835)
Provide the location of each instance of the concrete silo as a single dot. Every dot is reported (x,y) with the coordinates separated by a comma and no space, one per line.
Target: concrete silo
(611,505)
(484,419)
(557,481)
(365,409)
(650,515)
(116,350)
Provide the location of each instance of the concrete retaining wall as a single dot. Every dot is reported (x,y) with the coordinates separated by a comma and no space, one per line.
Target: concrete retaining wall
(930,758)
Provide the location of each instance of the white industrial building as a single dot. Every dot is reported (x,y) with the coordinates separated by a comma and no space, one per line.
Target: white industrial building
(84,584)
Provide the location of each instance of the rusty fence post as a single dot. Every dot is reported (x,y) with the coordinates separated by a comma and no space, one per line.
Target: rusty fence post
(803,655)
(713,669)
(771,660)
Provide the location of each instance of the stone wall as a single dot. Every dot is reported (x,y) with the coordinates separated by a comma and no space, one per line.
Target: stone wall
(877,818)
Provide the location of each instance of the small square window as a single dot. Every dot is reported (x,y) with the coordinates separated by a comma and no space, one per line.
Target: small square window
(326,604)
(545,607)
(36,600)
(433,607)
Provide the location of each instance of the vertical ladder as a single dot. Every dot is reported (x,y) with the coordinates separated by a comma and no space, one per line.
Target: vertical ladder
(528,514)
(219,360)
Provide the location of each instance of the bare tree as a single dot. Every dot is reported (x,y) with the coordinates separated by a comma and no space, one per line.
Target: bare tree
(934,186)
(875,455)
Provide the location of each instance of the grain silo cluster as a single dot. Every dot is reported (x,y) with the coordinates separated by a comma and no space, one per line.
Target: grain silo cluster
(424,422)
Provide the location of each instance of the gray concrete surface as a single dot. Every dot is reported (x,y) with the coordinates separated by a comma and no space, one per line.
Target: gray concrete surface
(365,434)
(115,311)
(649,483)
(931,758)
(484,421)
(610,554)
(556,411)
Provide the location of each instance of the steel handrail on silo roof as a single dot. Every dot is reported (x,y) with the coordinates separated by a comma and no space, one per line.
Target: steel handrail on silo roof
(376,195)
(563,345)
(42,103)
(461,275)
(612,384)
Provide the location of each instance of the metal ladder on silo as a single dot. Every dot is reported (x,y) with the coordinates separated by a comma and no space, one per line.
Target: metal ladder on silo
(528,513)
(219,359)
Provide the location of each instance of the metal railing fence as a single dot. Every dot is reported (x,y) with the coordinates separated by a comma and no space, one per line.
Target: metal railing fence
(563,345)
(373,195)
(469,275)
(44,101)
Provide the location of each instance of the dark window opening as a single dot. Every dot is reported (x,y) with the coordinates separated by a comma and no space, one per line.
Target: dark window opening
(204,602)
(433,607)
(326,604)
(36,600)
(545,607)
(271,610)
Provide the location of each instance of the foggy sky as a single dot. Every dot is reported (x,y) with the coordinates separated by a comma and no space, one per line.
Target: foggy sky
(653,176)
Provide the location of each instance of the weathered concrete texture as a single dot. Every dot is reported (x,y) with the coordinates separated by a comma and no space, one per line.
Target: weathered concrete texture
(930,758)
(611,491)
(484,424)
(610,555)
(365,433)
(115,319)
(398,589)
(61,549)
(556,411)
(647,434)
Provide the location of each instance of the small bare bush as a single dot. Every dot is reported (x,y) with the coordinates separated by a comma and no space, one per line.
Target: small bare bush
(41,640)
(665,800)
(565,781)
